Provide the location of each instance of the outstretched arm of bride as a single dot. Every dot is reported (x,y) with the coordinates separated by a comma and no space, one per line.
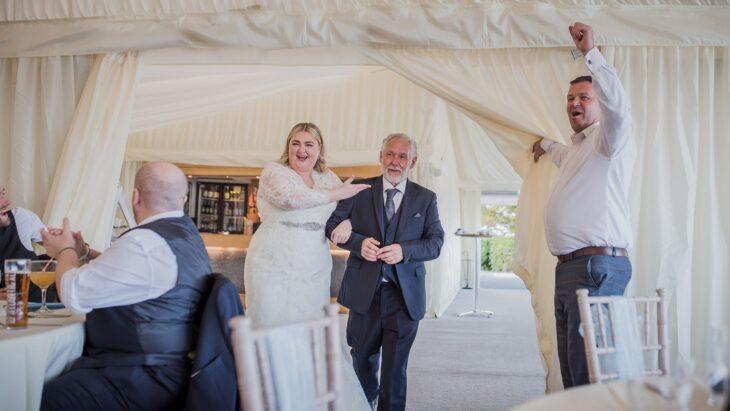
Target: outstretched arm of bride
(284,189)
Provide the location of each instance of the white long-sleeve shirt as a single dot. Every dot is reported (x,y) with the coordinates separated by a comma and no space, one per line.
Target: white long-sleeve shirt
(588,205)
(29,227)
(138,266)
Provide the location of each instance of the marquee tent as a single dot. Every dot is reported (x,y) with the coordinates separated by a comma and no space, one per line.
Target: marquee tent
(91,88)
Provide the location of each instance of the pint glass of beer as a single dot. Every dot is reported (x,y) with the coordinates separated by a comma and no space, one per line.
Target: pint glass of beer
(17,281)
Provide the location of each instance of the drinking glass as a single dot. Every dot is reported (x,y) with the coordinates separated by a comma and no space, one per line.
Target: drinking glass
(43,274)
(17,284)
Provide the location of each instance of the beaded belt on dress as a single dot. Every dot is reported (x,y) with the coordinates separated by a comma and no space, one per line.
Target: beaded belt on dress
(309,225)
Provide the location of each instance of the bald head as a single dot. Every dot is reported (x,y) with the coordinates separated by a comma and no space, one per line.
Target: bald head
(162,187)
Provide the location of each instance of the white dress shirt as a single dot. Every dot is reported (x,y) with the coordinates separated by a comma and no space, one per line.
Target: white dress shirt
(29,227)
(398,198)
(588,205)
(138,266)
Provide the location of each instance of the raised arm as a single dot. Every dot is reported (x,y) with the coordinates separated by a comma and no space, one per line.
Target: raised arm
(615,105)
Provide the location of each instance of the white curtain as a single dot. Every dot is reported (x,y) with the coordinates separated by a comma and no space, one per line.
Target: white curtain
(87,175)
(37,102)
(169,94)
(437,171)
(354,115)
(103,26)
(681,101)
(126,178)
(483,167)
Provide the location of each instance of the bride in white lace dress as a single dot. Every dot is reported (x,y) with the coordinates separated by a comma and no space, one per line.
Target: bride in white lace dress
(288,264)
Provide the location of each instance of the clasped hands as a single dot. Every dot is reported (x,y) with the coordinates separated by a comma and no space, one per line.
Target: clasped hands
(57,239)
(390,254)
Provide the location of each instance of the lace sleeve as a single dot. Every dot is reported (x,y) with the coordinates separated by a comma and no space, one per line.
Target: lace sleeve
(332,180)
(285,189)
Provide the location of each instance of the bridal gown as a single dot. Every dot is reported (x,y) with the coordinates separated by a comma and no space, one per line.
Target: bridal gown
(288,265)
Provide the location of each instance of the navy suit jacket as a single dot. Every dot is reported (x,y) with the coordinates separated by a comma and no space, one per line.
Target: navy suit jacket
(419,233)
(213,383)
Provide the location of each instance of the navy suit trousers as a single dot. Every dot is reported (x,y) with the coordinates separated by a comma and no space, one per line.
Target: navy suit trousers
(118,388)
(387,325)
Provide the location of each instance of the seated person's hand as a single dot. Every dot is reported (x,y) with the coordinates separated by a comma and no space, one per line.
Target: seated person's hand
(342,232)
(55,240)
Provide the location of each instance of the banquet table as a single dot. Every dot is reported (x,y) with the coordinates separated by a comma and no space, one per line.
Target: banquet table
(652,394)
(34,355)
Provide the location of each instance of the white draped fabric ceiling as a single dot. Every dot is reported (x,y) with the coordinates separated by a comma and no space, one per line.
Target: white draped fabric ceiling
(91,84)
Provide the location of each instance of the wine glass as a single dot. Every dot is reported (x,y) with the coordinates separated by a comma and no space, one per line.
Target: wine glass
(43,274)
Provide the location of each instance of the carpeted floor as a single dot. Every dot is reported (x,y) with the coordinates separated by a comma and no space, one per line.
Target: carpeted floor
(476,363)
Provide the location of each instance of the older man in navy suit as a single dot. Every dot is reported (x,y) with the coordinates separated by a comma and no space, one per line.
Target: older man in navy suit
(395,228)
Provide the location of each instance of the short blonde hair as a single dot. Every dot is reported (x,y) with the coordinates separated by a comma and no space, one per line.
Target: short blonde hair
(312,129)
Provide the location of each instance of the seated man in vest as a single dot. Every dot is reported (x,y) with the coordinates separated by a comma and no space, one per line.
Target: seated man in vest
(142,299)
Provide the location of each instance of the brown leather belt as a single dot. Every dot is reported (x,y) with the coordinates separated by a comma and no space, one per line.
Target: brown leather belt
(612,251)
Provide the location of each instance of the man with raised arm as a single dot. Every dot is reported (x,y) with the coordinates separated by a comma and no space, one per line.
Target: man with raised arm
(587,215)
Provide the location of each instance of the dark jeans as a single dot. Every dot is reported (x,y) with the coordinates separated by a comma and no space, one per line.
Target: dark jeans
(601,275)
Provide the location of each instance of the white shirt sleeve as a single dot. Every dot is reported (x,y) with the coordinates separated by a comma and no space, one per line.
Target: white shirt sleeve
(29,227)
(615,105)
(138,266)
(556,150)
(283,187)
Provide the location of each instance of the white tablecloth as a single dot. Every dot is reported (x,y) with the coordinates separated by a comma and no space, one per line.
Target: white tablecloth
(34,355)
(618,396)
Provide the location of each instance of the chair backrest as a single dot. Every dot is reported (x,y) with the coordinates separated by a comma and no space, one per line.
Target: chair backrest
(260,372)
(599,339)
